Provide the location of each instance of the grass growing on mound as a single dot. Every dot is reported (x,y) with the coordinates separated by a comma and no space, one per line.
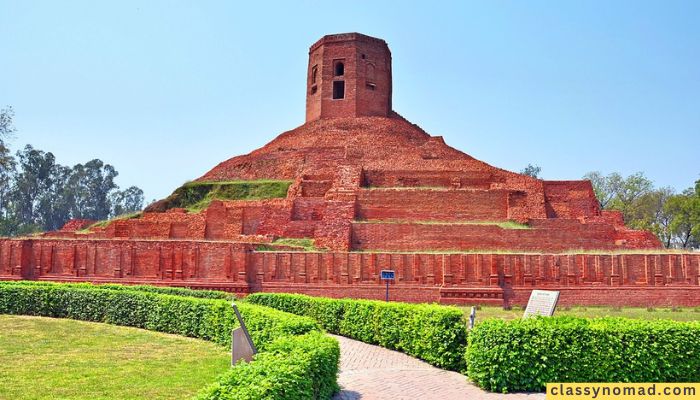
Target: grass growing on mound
(46,358)
(500,224)
(196,196)
(300,244)
(103,224)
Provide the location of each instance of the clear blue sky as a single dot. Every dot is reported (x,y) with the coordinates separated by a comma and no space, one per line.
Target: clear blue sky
(165,90)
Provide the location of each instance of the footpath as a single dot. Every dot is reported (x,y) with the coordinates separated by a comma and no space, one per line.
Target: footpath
(370,372)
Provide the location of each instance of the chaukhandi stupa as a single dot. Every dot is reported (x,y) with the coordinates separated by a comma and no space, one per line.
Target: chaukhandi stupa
(356,189)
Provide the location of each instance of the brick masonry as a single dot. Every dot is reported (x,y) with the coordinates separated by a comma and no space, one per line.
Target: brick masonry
(621,279)
(367,185)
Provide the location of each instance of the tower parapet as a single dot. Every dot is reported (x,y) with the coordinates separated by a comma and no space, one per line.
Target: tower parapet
(349,75)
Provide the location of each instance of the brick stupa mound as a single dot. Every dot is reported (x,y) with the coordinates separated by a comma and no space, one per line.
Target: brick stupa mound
(381,183)
(357,188)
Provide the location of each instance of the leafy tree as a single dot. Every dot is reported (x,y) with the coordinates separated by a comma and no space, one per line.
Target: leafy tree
(7,162)
(90,186)
(37,193)
(127,201)
(35,185)
(649,213)
(531,170)
(623,194)
(674,218)
(605,187)
(685,217)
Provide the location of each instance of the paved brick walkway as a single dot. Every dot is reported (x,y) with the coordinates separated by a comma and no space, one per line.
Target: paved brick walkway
(374,373)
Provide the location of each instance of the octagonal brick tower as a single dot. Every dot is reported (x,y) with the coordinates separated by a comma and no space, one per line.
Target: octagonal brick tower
(349,75)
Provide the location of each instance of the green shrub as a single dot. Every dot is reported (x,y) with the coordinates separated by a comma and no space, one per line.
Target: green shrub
(293,367)
(436,334)
(177,291)
(295,360)
(209,319)
(524,355)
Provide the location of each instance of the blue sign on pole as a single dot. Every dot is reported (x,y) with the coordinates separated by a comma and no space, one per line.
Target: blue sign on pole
(387,275)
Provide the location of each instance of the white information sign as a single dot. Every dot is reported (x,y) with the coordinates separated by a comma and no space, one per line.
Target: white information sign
(542,302)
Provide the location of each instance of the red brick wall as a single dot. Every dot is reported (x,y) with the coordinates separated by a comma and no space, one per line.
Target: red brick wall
(308,209)
(570,199)
(623,279)
(367,63)
(412,178)
(432,205)
(77,224)
(130,261)
(431,237)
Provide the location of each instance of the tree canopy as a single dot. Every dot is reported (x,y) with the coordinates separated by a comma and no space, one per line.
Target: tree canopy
(674,218)
(39,194)
(531,170)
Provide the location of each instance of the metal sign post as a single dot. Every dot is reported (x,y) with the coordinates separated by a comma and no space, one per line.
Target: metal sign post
(387,275)
(242,346)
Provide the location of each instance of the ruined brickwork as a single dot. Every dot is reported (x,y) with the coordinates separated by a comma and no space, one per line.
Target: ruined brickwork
(375,192)
(348,75)
(623,279)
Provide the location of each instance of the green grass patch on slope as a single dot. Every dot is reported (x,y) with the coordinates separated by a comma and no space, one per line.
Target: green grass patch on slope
(104,223)
(196,196)
(46,358)
(300,244)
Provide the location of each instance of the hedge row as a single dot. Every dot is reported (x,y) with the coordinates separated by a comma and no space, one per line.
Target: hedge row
(207,319)
(436,334)
(293,367)
(524,355)
(176,291)
(289,366)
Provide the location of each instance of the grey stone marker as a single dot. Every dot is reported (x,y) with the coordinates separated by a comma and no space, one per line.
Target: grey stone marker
(242,347)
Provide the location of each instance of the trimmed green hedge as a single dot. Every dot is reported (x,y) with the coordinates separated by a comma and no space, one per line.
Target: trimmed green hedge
(176,291)
(524,355)
(293,367)
(207,319)
(291,347)
(436,334)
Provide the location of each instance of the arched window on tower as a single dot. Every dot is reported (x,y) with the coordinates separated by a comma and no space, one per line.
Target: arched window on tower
(339,69)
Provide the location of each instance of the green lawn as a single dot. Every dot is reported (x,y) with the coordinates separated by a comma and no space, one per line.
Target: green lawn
(46,358)
(678,314)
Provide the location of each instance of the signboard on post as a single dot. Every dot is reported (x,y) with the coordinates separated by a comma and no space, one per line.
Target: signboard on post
(542,302)
(242,346)
(387,275)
